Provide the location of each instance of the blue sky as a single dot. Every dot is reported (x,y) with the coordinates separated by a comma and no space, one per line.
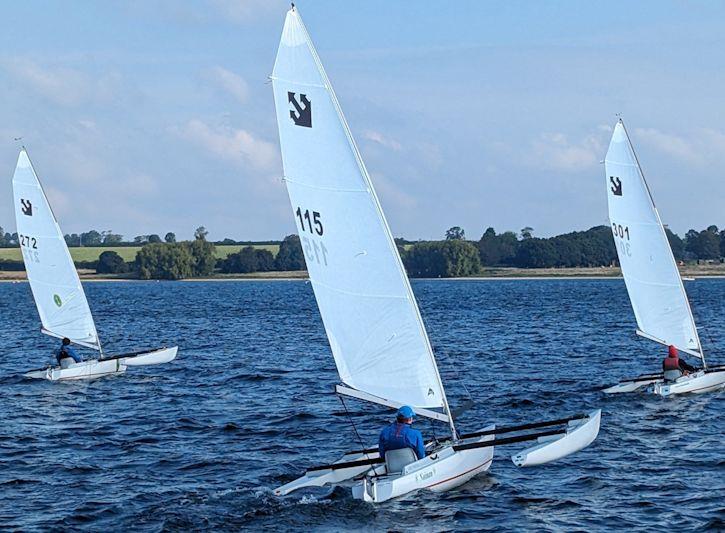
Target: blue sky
(156,115)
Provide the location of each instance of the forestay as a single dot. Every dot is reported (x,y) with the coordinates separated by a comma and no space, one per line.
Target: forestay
(370,315)
(653,281)
(57,291)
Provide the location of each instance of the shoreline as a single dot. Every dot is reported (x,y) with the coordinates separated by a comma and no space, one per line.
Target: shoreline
(504,274)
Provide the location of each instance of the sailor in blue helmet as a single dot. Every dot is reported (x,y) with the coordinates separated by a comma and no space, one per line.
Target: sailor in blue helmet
(399,434)
(66,350)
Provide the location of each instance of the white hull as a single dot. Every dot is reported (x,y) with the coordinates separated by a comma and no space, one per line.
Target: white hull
(440,471)
(697,383)
(320,478)
(96,368)
(157,357)
(579,434)
(90,369)
(629,386)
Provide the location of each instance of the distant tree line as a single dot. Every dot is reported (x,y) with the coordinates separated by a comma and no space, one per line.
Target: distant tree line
(594,247)
(453,256)
(97,238)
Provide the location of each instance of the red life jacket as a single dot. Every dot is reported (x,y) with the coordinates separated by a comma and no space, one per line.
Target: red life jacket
(671,363)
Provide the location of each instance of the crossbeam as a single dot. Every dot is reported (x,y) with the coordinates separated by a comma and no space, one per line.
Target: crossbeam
(499,430)
(524,427)
(507,440)
(456,447)
(648,377)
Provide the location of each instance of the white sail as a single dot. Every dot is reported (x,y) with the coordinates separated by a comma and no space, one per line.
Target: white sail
(370,315)
(653,281)
(58,293)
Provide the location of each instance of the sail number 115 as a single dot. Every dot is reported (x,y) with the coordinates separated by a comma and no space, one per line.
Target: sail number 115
(314,222)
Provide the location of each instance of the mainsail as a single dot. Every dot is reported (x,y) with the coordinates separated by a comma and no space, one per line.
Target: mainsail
(370,315)
(57,291)
(653,281)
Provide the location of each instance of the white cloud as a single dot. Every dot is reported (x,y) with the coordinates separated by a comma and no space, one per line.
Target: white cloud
(62,85)
(237,145)
(382,140)
(229,82)
(670,144)
(556,151)
(702,146)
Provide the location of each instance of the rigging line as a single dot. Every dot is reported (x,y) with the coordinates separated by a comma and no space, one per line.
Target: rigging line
(352,423)
(705,329)
(694,310)
(433,431)
(441,355)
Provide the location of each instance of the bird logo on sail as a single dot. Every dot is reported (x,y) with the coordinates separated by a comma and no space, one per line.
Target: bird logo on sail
(57,300)
(27,207)
(616,187)
(301,116)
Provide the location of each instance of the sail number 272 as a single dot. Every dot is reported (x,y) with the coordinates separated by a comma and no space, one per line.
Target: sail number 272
(29,246)
(621,238)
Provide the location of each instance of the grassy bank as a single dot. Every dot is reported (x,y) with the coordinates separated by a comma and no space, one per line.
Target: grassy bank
(128,253)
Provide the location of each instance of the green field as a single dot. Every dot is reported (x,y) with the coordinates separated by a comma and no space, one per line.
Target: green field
(128,253)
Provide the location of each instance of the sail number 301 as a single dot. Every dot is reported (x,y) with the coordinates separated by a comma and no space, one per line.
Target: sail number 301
(621,238)
(314,222)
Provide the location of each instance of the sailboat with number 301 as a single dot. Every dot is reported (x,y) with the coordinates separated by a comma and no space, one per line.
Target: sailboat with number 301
(376,334)
(650,272)
(57,290)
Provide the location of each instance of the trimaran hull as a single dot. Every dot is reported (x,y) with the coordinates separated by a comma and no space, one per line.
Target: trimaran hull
(698,382)
(96,368)
(448,465)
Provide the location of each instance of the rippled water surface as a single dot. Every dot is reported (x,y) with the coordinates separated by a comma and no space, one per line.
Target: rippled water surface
(200,442)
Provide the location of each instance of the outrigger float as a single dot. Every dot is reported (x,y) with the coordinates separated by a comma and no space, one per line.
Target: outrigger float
(57,290)
(653,281)
(376,334)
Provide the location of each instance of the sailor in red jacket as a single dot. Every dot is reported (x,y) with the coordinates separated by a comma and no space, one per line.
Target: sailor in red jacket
(674,367)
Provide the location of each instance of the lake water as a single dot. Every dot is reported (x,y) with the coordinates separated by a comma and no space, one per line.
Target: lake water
(201,442)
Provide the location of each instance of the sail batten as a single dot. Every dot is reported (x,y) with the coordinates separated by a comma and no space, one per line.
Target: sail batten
(370,315)
(57,290)
(650,272)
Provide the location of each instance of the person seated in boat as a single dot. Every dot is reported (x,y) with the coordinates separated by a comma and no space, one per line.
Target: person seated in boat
(674,367)
(66,350)
(399,434)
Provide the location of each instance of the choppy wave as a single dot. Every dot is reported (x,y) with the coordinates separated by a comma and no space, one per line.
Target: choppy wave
(200,443)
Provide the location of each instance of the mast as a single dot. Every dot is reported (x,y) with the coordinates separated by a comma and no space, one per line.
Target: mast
(669,248)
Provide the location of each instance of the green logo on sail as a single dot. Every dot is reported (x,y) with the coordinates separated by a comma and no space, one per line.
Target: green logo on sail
(57,300)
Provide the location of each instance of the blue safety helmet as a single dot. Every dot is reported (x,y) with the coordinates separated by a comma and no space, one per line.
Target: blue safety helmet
(406,411)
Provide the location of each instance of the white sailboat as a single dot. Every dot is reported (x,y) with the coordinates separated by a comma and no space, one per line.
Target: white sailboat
(376,334)
(57,290)
(650,273)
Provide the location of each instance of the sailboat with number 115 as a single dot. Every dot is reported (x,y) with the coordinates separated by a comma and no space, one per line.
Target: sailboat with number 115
(373,324)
